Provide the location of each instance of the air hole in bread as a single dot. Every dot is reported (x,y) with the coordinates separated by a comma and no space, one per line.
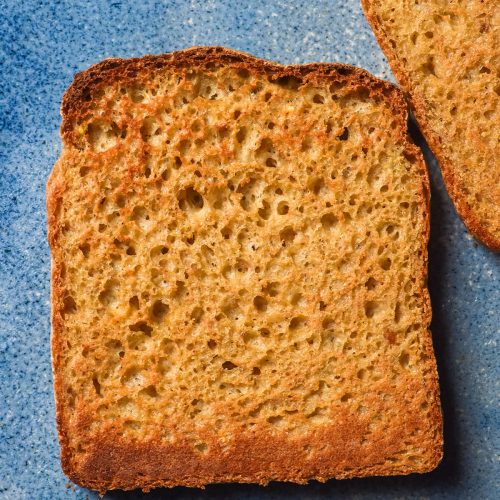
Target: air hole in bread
(372,309)
(244,73)
(371,283)
(226,232)
(241,134)
(159,310)
(265,210)
(297,322)
(108,295)
(397,312)
(346,397)
(190,200)
(141,326)
(428,68)
(327,324)
(150,391)
(85,249)
(137,94)
(385,263)
(151,130)
(102,135)
(168,346)
(287,82)
(344,135)
(404,359)
(287,235)
(306,144)
(179,289)
(260,303)
(282,208)
(266,147)
(318,99)
(134,302)
(132,377)
(137,341)
(297,299)
(318,416)
(276,420)
(97,385)
(329,221)
(201,447)
(197,314)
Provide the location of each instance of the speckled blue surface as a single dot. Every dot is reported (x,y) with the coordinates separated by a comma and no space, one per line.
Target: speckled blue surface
(42,44)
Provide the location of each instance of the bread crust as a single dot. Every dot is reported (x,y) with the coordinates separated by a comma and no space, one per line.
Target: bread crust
(111,461)
(475,225)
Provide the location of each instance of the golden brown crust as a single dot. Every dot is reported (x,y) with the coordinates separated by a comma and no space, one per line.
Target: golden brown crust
(76,102)
(419,105)
(110,461)
(119,464)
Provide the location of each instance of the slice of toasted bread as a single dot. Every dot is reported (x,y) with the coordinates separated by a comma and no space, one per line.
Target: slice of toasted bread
(239,275)
(446,56)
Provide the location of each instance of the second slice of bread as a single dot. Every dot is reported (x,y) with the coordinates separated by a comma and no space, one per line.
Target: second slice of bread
(446,55)
(239,275)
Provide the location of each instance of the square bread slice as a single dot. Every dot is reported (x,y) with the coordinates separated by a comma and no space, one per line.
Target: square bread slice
(239,273)
(446,56)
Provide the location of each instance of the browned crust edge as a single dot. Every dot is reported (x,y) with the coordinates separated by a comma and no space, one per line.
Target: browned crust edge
(418,104)
(107,452)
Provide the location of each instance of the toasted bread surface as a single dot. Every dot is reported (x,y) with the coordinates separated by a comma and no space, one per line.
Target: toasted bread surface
(446,56)
(239,273)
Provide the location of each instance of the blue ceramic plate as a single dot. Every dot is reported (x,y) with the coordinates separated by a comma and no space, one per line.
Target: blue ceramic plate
(42,45)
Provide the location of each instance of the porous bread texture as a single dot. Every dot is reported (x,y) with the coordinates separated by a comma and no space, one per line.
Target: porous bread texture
(239,275)
(446,55)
